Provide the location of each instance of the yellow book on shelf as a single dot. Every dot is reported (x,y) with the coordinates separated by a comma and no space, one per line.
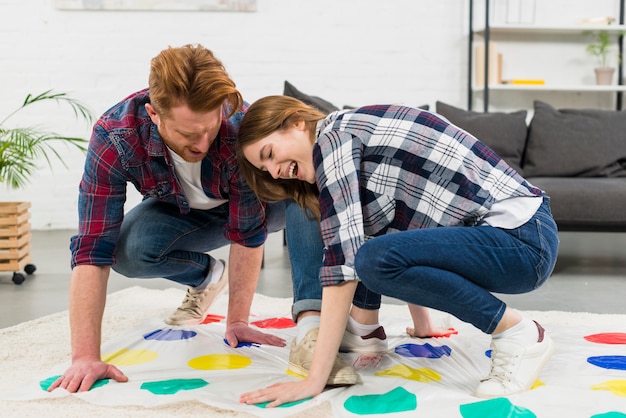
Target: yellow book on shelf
(525,81)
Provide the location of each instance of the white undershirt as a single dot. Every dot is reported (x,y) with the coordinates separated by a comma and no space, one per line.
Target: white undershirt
(189,177)
(514,212)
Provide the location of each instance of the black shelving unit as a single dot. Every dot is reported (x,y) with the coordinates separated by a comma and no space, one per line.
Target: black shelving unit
(486,39)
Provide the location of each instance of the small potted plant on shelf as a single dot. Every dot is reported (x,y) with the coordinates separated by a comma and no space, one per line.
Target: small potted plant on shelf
(602,49)
(21,148)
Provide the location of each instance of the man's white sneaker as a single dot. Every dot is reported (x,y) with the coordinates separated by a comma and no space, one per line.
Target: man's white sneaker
(372,343)
(301,358)
(514,367)
(196,303)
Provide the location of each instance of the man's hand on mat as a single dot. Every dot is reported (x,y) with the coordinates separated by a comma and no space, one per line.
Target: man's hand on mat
(281,393)
(240,332)
(84,373)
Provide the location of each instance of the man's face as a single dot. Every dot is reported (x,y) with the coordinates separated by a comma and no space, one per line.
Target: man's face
(187,133)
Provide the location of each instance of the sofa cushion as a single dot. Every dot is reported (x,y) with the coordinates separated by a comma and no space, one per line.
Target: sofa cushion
(505,133)
(576,142)
(585,203)
(320,104)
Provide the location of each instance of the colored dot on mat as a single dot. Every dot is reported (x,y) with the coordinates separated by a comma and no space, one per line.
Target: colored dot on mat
(609,362)
(45,384)
(170,387)
(127,357)
(425,350)
(277,323)
(424,375)
(498,407)
(170,335)
(396,400)
(609,415)
(616,387)
(242,344)
(607,338)
(210,318)
(285,405)
(220,362)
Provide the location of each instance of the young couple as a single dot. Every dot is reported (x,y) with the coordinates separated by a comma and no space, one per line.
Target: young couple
(411,207)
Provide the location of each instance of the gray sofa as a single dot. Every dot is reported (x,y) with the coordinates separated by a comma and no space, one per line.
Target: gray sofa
(578,156)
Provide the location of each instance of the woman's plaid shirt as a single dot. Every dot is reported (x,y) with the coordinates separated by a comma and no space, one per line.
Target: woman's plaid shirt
(382,169)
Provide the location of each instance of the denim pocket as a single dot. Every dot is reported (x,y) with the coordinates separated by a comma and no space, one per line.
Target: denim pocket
(546,243)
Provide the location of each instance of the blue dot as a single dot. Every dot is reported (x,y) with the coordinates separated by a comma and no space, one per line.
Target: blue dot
(426,350)
(169,335)
(609,362)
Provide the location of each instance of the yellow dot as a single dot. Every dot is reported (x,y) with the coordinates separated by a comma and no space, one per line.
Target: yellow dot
(424,375)
(616,387)
(220,362)
(126,357)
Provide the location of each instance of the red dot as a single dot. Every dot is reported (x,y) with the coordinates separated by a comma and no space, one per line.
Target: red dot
(275,323)
(607,338)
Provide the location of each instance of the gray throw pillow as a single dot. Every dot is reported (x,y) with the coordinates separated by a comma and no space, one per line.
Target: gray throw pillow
(314,101)
(576,142)
(505,133)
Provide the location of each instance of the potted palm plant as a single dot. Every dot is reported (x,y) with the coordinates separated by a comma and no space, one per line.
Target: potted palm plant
(21,148)
(601,48)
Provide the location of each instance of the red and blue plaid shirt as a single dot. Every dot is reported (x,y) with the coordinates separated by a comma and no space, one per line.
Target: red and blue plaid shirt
(126,147)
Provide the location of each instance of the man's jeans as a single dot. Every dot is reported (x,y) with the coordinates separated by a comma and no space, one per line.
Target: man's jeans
(157,241)
(455,269)
(304,242)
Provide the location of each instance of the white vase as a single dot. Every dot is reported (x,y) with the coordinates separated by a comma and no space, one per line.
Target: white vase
(604,75)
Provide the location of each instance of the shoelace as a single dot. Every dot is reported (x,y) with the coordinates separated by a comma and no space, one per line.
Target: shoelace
(500,366)
(189,303)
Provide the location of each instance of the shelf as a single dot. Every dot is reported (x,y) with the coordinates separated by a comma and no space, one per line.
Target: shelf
(547,87)
(546,30)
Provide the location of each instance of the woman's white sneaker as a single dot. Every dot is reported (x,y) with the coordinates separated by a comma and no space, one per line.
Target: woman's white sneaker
(515,367)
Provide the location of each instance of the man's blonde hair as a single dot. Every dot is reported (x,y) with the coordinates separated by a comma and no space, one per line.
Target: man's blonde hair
(191,75)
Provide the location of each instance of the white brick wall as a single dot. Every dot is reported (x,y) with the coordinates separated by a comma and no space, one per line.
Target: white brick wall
(346,51)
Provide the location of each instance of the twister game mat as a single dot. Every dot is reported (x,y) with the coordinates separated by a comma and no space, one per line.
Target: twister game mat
(586,377)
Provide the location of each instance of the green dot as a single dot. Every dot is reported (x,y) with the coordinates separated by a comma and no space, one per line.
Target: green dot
(498,407)
(45,384)
(170,387)
(609,415)
(285,405)
(396,400)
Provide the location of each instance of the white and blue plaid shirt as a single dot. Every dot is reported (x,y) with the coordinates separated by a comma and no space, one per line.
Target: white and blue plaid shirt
(382,169)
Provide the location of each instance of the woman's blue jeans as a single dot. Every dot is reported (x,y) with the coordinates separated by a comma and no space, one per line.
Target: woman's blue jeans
(455,269)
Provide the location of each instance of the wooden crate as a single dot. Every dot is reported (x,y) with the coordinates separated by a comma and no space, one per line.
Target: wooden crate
(15,235)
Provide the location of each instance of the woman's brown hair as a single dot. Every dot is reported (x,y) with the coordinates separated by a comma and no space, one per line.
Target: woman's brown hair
(265,116)
(193,76)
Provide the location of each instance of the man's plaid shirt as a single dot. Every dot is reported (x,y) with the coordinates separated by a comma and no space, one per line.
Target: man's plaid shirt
(126,147)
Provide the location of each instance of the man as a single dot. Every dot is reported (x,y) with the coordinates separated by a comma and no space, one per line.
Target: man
(175,143)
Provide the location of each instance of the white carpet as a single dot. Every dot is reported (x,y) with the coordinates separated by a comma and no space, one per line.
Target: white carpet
(584,378)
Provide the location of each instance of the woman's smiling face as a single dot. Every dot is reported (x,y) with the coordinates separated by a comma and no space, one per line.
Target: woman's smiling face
(285,154)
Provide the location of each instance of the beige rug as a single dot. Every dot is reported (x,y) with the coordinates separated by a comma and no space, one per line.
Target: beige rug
(569,386)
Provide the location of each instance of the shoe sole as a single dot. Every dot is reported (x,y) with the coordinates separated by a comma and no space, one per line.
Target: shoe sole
(332,380)
(219,287)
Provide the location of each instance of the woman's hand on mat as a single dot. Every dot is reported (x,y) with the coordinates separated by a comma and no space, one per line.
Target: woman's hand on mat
(281,393)
(430,332)
(84,373)
(240,332)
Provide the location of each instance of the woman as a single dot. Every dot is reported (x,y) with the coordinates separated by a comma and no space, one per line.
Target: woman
(451,223)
